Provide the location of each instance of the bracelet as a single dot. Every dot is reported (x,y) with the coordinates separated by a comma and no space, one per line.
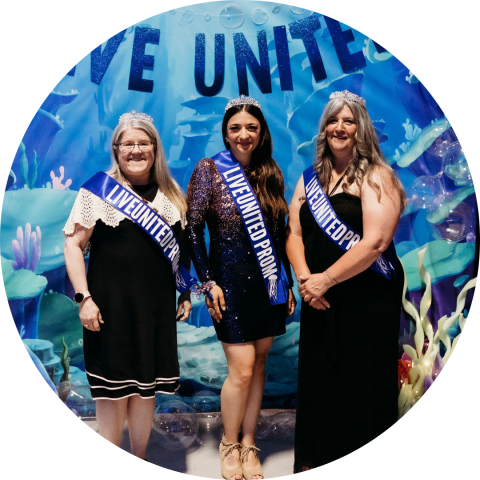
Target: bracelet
(87,249)
(330,277)
(202,289)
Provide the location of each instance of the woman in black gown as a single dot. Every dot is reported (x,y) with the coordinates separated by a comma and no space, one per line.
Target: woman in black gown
(127,299)
(347,364)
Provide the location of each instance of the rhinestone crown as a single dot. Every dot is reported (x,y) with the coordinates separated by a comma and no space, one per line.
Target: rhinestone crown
(133,115)
(348,96)
(242,100)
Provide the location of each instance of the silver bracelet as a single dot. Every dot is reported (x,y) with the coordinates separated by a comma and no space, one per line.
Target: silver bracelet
(330,277)
(202,289)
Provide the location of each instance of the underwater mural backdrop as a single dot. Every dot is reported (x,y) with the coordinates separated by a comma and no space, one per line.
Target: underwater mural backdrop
(181,67)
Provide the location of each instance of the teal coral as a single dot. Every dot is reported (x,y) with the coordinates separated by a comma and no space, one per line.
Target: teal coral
(422,142)
(442,260)
(46,207)
(460,281)
(59,319)
(439,215)
(21,283)
(37,362)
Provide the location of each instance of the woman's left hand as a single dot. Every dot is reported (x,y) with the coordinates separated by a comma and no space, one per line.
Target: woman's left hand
(184,305)
(313,287)
(291,302)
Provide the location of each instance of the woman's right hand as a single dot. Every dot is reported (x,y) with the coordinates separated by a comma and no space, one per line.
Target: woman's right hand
(217,303)
(90,315)
(312,288)
(319,303)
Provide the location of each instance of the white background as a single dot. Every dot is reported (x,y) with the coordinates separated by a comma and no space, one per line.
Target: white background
(42,40)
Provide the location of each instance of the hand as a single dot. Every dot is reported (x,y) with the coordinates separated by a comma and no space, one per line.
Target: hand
(90,315)
(319,303)
(312,289)
(291,303)
(185,305)
(217,303)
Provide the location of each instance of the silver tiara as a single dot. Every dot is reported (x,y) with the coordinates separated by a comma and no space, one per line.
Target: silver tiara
(348,96)
(133,115)
(242,100)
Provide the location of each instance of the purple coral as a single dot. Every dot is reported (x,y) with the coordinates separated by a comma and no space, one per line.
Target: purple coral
(57,181)
(437,366)
(26,243)
(427,383)
(24,250)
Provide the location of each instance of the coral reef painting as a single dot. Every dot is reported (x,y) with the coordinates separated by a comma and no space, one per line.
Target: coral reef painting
(290,60)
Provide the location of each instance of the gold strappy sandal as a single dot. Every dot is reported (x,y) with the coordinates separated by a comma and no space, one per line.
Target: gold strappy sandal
(226,448)
(247,472)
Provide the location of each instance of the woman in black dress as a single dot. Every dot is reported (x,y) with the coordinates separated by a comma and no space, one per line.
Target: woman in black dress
(245,321)
(347,364)
(127,299)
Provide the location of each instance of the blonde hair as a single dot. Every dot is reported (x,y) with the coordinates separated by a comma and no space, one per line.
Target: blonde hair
(159,172)
(366,152)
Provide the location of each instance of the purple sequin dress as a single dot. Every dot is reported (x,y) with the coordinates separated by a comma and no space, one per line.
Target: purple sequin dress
(231,262)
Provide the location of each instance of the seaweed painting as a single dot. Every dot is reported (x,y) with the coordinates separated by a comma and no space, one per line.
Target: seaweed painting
(28,175)
(64,385)
(421,365)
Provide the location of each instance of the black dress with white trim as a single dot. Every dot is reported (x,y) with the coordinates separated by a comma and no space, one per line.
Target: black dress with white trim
(135,351)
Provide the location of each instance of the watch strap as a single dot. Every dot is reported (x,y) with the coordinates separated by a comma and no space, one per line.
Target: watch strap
(79,297)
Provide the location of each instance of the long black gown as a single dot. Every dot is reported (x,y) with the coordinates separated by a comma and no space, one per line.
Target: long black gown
(135,351)
(347,362)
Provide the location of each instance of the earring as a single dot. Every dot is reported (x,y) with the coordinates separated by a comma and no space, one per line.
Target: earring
(227,140)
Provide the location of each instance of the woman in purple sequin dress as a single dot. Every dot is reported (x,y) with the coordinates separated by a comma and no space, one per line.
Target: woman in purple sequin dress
(244,320)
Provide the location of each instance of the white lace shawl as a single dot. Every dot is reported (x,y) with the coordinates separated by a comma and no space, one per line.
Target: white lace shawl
(88,208)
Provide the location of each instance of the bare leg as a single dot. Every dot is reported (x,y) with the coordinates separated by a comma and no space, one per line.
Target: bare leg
(254,401)
(235,391)
(111,415)
(140,417)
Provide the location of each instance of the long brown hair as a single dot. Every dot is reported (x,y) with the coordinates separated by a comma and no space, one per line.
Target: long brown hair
(265,176)
(366,152)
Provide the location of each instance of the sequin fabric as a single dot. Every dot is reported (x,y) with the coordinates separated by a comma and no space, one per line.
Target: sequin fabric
(230,261)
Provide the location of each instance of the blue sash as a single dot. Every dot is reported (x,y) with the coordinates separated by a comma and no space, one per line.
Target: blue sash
(338,231)
(111,192)
(273,272)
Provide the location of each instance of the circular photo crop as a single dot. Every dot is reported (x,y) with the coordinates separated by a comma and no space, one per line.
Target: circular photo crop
(240,223)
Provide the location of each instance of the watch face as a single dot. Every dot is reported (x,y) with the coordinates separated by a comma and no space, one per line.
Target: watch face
(78,297)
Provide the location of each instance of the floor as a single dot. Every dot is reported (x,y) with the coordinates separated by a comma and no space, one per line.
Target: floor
(202,458)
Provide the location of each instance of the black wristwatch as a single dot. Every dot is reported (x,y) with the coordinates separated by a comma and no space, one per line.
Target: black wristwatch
(81,296)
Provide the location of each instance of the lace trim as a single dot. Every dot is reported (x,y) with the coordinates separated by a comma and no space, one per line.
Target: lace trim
(88,208)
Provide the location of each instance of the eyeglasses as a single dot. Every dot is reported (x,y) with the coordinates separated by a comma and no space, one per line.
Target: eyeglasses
(128,147)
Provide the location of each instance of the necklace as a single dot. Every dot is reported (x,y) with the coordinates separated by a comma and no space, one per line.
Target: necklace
(329,194)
